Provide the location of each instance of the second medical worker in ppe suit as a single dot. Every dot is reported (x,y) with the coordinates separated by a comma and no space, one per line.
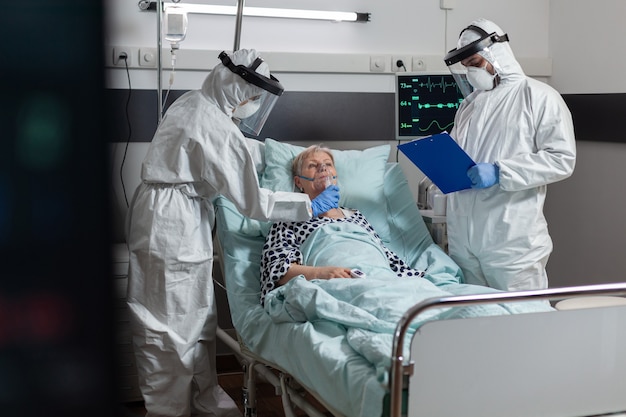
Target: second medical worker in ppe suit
(519,132)
(196,154)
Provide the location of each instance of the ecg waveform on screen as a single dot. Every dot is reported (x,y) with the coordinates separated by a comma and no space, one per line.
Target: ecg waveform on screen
(427,104)
(434,124)
(438,105)
(439,127)
(441,83)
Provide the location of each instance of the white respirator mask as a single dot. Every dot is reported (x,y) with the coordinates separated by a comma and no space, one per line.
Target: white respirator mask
(243,111)
(480,78)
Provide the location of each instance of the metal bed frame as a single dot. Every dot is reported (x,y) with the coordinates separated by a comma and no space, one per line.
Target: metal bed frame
(401,370)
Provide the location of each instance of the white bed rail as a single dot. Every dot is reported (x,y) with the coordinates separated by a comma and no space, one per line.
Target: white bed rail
(398,368)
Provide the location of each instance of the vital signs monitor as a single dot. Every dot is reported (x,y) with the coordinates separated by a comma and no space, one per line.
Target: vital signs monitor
(425,104)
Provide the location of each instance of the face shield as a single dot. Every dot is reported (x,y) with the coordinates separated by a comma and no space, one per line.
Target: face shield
(480,46)
(251,115)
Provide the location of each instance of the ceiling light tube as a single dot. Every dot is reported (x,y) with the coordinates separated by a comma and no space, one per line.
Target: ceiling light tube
(264,12)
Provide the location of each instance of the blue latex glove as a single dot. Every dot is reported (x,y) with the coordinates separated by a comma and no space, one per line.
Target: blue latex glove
(484,175)
(328,199)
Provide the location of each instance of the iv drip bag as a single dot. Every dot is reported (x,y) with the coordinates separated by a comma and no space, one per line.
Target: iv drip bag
(175,24)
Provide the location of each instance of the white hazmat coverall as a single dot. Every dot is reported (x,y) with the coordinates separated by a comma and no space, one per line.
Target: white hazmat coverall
(499,235)
(196,154)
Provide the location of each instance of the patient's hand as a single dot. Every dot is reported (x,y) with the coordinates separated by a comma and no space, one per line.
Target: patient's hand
(315,272)
(327,272)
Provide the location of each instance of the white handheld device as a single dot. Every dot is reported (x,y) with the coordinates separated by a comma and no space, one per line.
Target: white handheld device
(357,273)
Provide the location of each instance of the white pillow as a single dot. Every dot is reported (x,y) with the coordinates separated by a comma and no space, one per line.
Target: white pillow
(360,176)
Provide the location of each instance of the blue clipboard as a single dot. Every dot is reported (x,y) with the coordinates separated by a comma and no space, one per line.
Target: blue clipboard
(442,160)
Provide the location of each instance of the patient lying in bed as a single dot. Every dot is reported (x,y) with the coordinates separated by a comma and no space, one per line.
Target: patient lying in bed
(313,170)
(305,274)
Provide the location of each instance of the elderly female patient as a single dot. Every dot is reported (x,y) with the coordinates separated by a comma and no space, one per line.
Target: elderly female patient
(313,171)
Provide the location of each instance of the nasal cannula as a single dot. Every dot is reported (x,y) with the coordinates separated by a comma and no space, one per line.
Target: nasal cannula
(328,179)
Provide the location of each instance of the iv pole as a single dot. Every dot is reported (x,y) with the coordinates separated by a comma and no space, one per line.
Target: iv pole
(159,63)
(238,24)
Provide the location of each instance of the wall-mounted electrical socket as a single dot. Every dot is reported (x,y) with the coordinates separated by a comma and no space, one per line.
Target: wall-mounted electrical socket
(401,63)
(418,63)
(379,63)
(118,53)
(147,57)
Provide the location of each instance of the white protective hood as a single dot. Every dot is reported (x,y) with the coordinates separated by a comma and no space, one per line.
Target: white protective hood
(228,89)
(505,63)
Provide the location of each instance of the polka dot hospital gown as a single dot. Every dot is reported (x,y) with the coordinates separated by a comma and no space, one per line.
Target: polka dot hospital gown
(282,248)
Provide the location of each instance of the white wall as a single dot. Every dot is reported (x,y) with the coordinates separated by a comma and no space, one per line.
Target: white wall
(587,45)
(397,27)
(585,212)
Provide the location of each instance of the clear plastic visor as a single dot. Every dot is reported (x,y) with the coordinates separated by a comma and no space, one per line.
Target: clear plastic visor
(459,73)
(253,124)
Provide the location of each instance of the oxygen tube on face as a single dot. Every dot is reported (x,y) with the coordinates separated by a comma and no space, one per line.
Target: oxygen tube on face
(328,178)
(320,183)
(323,178)
(324,196)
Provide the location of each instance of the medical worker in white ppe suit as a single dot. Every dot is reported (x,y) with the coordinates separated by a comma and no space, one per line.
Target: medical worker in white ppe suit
(519,132)
(197,153)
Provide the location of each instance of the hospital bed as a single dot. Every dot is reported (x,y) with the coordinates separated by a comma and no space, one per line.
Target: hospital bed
(543,362)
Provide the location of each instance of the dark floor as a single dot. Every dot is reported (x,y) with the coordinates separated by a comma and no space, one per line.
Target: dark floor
(230,378)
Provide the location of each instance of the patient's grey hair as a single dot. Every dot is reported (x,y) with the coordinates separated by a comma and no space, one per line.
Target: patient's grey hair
(296,166)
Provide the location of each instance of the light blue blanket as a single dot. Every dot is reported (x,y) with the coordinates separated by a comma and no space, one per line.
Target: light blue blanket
(318,353)
(368,308)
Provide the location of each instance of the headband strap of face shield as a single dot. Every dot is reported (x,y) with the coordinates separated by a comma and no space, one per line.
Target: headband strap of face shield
(485,41)
(249,74)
